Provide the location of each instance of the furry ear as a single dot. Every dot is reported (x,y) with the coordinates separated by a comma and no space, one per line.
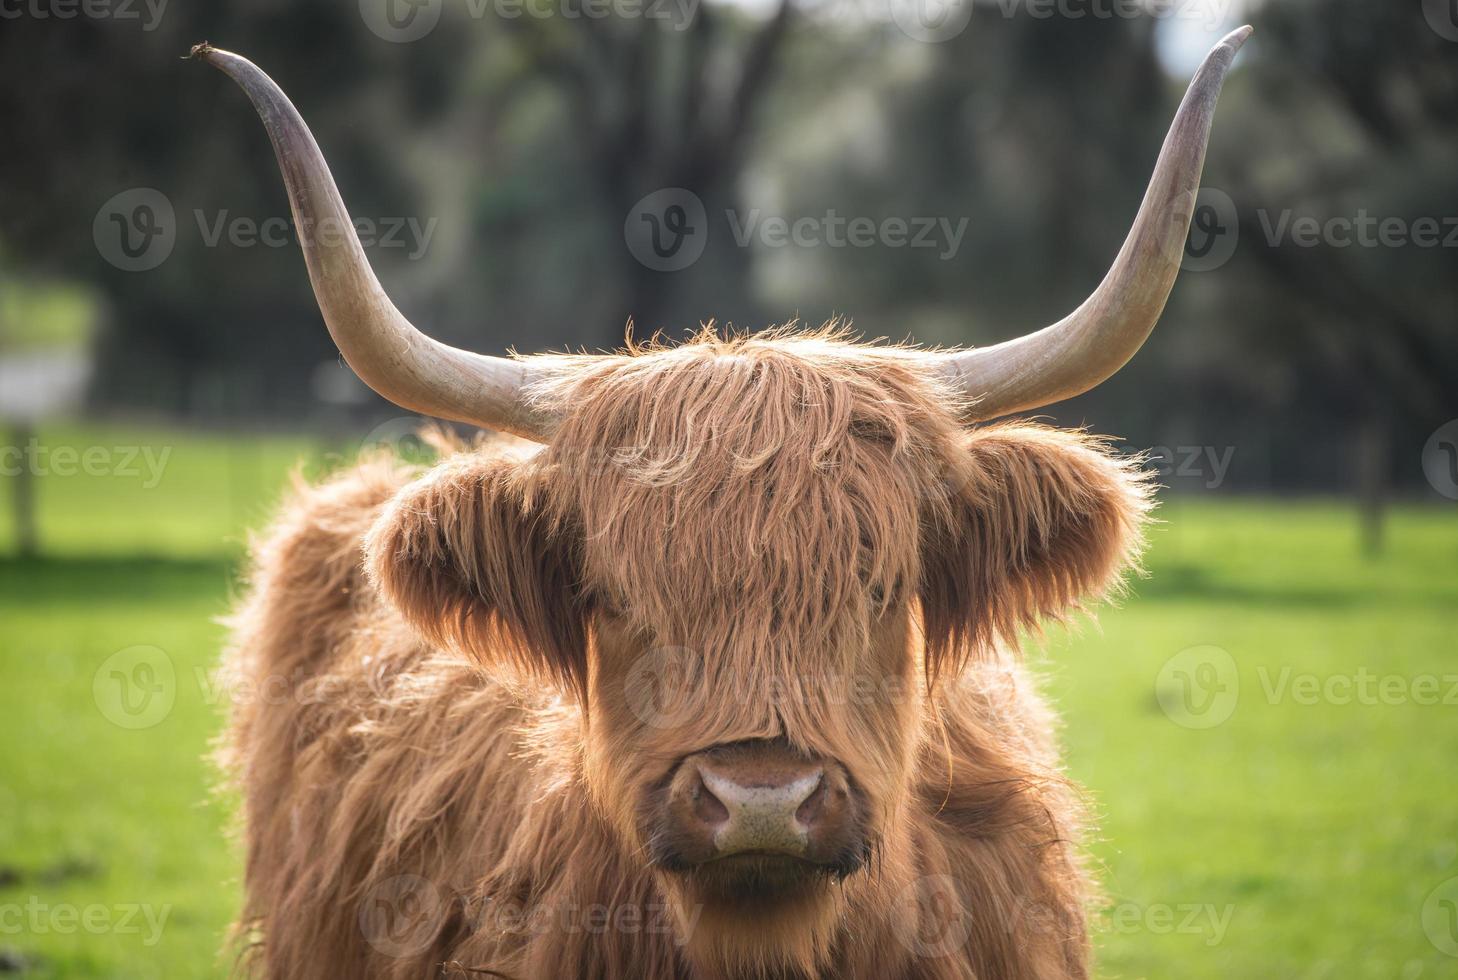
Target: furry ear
(475,560)
(1041,522)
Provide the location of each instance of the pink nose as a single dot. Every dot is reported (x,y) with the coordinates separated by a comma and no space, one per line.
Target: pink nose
(760,798)
(762,815)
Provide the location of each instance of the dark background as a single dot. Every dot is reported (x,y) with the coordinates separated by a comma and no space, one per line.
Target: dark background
(526,142)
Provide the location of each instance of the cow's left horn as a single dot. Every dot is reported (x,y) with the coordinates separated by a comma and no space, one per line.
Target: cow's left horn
(1098,338)
(384,349)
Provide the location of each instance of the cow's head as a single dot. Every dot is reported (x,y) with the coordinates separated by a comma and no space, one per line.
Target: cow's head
(749,561)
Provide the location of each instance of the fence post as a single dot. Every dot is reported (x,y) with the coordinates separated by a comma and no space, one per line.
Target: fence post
(27,534)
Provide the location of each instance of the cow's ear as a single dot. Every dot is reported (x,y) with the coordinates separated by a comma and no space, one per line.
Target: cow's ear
(476,560)
(1038,522)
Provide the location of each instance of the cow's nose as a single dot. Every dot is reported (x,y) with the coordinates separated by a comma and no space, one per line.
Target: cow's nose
(769,814)
(759,798)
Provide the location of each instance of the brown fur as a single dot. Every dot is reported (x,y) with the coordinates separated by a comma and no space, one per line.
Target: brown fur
(454,655)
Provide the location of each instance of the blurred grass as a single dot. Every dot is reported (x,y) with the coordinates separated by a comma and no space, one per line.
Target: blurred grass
(53,315)
(1292,840)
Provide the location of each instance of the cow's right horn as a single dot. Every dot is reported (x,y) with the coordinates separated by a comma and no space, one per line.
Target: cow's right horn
(1099,337)
(384,349)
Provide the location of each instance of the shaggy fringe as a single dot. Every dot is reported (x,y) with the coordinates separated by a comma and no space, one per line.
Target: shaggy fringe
(452,647)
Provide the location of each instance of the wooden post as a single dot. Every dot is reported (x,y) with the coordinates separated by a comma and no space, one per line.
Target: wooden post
(27,534)
(1373,453)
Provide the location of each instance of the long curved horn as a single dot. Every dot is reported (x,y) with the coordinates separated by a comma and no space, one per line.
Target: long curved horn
(1098,338)
(384,349)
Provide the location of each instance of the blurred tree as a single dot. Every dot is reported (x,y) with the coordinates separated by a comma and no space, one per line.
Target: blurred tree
(202,314)
(1356,141)
(1039,132)
(520,147)
(660,104)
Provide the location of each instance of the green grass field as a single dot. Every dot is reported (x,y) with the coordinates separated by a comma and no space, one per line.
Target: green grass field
(1269,729)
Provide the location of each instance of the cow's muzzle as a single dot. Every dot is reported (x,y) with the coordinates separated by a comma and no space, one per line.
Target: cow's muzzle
(762,809)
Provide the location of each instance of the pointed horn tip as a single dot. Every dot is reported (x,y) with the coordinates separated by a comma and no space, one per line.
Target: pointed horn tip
(1236,38)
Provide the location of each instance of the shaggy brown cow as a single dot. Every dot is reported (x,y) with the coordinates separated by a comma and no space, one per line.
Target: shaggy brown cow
(719,680)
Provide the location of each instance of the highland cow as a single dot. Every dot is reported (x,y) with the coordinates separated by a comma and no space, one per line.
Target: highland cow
(710,674)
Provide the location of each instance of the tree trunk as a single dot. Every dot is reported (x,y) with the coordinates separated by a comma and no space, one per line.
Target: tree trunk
(1373,451)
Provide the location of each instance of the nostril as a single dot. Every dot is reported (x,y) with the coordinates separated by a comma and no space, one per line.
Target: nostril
(814,805)
(707,807)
